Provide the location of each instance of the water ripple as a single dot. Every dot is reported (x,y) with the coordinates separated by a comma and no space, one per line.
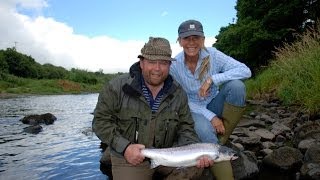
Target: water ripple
(65,150)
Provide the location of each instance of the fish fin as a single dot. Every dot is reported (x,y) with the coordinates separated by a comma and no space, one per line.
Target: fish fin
(182,168)
(153,164)
(234,157)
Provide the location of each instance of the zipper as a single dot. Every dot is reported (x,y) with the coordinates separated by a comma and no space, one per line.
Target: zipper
(166,131)
(136,130)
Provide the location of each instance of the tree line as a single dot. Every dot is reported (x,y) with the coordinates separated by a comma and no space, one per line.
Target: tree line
(21,65)
(263,26)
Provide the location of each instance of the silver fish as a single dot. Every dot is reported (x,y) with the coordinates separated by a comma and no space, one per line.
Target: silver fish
(186,156)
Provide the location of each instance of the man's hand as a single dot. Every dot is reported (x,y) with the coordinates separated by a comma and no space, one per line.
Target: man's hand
(204,162)
(218,125)
(133,155)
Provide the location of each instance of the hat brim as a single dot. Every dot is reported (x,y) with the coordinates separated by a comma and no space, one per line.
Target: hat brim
(191,33)
(156,57)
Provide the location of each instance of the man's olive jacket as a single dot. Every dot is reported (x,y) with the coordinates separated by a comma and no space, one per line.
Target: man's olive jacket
(123,116)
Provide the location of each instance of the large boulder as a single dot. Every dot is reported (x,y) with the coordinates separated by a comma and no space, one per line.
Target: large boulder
(46,118)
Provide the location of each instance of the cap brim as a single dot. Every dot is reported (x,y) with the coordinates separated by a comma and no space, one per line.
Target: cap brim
(191,33)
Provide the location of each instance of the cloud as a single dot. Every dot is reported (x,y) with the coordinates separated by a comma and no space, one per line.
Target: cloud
(49,41)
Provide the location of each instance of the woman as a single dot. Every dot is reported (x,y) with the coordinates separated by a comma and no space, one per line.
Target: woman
(212,81)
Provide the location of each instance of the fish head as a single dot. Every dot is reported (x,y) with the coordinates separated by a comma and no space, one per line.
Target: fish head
(226,154)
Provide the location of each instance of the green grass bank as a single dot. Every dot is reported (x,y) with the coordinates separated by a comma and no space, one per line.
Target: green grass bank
(294,75)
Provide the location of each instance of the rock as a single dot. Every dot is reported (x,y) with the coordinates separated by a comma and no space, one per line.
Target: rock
(265,134)
(278,128)
(309,130)
(251,122)
(310,171)
(266,151)
(245,166)
(306,144)
(33,129)
(268,145)
(284,158)
(313,153)
(46,118)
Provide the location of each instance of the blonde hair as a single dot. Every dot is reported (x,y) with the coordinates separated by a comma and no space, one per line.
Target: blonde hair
(205,66)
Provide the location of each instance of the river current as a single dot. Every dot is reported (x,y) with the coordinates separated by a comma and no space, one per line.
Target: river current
(66,149)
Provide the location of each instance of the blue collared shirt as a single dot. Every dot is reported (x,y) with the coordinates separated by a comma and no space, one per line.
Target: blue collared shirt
(223,68)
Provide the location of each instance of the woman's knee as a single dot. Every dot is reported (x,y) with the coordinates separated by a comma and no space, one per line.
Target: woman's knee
(235,92)
(236,86)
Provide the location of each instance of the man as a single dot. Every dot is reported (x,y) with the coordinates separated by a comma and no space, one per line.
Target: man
(145,108)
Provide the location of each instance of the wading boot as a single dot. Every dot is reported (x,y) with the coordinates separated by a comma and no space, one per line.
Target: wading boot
(222,170)
(231,116)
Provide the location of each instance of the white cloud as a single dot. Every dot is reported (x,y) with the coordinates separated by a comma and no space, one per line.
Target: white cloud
(49,41)
(210,41)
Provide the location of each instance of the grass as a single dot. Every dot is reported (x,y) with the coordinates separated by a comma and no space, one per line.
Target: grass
(294,75)
(14,85)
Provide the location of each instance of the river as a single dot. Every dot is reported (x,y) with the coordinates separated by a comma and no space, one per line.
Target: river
(66,149)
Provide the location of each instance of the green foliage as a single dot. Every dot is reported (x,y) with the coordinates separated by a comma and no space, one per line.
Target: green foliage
(294,75)
(263,26)
(14,81)
(21,65)
(4,67)
(22,74)
(262,83)
(49,71)
(242,40)
(82,76)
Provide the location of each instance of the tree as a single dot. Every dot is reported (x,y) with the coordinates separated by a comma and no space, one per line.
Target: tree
(245,41)
(50,71)
(262,26)
(4,67)
(21,65)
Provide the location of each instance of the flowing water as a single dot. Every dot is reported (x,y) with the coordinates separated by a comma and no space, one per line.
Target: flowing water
(66,149)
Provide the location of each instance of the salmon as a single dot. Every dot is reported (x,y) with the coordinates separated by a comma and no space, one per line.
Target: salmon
(187,156)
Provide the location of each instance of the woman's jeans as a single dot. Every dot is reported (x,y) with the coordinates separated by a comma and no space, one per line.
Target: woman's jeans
(232,92)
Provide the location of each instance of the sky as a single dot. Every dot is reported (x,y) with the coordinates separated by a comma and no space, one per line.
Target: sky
(105,35)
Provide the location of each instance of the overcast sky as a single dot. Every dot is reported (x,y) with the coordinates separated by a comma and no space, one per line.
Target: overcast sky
(102,34)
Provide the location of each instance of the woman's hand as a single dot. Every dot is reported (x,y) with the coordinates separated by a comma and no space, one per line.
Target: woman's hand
(203,91)
(218,125)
